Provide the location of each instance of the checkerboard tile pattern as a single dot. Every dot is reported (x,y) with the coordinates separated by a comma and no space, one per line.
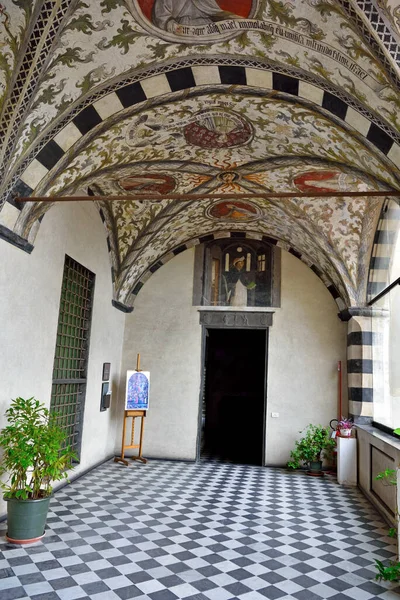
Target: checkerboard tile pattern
(204,531)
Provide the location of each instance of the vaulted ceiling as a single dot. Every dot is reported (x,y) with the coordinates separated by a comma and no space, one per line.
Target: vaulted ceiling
(125,97)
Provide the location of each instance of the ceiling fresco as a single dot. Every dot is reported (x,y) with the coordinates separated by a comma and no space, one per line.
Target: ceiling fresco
(236,211)
(176,21)
(101,42)
(248,128)
(287,221)
(14,20)
(338,222)
(390,10)
(212,97)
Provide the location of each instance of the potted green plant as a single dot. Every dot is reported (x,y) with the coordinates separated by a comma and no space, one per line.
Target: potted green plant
(33,457)
(346,427)
(309,450)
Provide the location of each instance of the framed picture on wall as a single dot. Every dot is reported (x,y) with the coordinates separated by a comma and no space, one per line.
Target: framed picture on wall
(137,390)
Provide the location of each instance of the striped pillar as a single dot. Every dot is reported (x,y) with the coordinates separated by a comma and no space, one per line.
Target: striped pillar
(359,364)
(384,243)
(364,359)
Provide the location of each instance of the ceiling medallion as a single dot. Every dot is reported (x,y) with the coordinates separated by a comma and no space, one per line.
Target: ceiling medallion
(155,183)
(233,210)
(194,22)
(326,181)
(218,128)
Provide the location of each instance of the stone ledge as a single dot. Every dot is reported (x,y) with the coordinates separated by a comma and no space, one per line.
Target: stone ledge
(14,239)
(380,435)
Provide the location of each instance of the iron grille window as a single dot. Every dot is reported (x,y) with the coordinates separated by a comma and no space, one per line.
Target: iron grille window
(72,348)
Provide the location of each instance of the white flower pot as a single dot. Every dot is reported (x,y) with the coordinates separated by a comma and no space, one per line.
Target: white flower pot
(346,432)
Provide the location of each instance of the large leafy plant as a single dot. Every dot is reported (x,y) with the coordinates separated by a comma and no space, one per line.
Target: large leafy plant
(33,452)
(389,572)
(315,443)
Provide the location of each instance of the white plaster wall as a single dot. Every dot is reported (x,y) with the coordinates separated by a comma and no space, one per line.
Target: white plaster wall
(164,328)
(30,287)
(306,342)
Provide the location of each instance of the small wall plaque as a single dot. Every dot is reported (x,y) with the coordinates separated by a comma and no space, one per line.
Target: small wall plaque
(221,319)
(105,396)
(106,371)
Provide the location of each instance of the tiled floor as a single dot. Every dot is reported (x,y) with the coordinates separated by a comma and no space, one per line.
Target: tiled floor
(205,531)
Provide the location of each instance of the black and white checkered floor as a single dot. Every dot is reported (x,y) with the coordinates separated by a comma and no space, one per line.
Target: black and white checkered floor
(205,531)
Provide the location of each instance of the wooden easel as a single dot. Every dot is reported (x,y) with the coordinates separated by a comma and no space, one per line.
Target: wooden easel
(134,414)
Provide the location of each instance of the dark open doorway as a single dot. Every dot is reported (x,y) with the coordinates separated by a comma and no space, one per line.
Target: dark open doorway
(233,413)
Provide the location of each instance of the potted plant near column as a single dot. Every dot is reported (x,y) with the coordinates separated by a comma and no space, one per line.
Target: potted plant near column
(346,427)
(33,457)
(311,448)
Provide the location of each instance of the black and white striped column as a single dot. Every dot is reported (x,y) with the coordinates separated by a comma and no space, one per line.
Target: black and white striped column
(385,239)
(364,359)
(360,365)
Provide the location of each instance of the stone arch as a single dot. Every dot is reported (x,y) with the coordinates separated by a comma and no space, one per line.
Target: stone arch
(195,73)
(341,301)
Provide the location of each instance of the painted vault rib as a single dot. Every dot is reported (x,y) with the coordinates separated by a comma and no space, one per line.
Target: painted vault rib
(92,38)
(305,84)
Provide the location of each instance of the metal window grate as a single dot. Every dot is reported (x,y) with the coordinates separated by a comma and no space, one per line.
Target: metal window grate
(72,346)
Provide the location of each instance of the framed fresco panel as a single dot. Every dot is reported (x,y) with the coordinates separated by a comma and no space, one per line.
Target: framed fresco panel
(194,21)
(237,273)
(137,390)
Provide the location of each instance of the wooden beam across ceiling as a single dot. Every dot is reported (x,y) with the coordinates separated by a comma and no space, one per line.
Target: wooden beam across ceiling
(189,197)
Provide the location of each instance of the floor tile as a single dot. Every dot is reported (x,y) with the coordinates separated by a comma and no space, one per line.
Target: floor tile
(201,531)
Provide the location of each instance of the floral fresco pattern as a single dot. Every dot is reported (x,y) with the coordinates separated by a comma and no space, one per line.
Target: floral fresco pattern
(280,129)
(14,20)
(191,223)
(261,164)
(101,42)
(390,10)
(202,137)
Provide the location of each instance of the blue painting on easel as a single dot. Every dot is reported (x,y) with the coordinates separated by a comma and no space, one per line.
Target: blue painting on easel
(137,390)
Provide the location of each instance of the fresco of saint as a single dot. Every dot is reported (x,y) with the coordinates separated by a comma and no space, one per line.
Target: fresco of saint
(237,282)
(186,21)
(167,14)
